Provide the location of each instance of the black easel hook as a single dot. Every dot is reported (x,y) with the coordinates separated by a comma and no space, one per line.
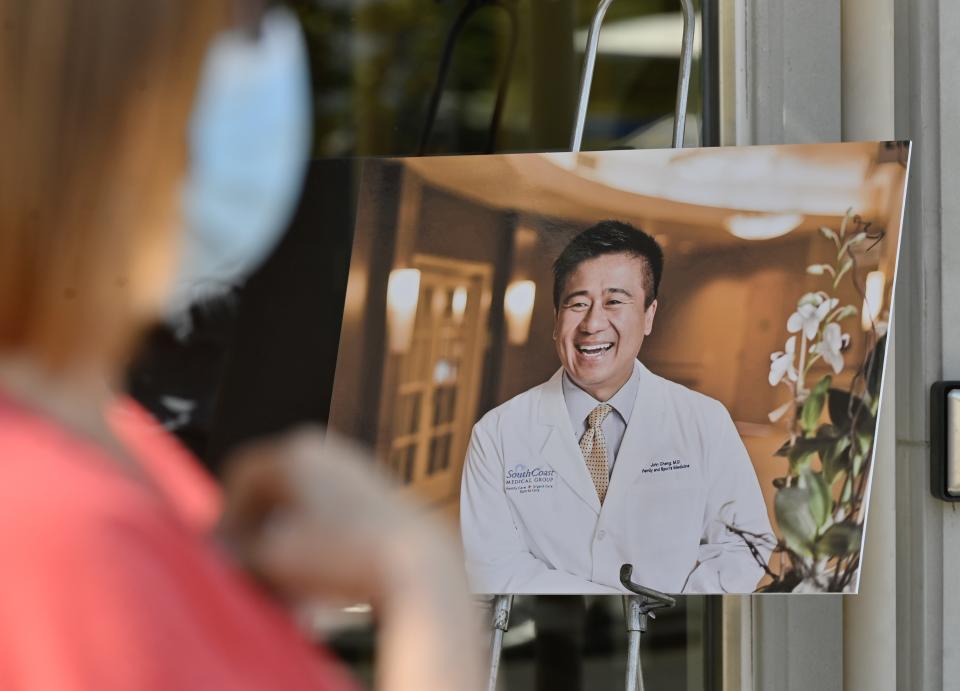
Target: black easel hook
(466,13)
(653,599)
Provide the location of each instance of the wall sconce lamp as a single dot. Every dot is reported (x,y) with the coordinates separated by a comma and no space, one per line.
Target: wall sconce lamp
(872,300)
(403,293)
(518,307)
(945,440)
(458,304)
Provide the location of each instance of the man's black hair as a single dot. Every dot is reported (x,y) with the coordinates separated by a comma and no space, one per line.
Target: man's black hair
(610,237)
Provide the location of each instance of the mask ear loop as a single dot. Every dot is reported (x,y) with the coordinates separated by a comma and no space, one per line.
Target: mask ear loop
(466,13)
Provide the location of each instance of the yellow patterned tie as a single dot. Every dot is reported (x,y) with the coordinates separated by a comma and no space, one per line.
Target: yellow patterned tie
(594,448)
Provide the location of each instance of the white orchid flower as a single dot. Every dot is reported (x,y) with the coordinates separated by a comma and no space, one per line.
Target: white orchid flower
(831,345)
(809,314)
(781,363)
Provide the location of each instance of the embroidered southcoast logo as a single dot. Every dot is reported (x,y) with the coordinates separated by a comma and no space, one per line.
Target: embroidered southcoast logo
(665,466)
(524,480)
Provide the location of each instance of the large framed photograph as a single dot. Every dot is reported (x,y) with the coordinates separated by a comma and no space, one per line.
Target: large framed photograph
(666,358)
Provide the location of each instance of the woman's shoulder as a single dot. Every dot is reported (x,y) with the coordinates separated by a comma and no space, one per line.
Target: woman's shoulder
(120,577)
(50,475)
(184,483)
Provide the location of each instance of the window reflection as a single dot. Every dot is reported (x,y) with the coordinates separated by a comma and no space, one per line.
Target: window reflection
(375,65)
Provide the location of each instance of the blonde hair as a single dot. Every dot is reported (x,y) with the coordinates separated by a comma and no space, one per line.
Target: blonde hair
(94,102)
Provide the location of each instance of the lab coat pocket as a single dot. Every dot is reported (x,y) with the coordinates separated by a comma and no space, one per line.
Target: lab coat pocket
(667,499)
(666,519)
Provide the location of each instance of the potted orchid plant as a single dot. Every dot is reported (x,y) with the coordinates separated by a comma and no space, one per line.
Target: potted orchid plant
(819,505)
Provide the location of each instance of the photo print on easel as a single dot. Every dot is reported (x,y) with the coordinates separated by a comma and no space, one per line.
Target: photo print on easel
(665,358)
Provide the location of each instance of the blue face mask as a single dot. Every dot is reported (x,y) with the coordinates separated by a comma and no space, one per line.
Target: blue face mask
(250,140)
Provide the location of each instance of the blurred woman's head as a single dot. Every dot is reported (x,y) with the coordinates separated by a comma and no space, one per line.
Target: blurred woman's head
(93,120)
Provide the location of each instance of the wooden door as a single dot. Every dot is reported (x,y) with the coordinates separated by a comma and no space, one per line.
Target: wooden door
(433,403)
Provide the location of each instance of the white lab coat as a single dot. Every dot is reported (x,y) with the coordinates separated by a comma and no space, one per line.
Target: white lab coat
(532,523)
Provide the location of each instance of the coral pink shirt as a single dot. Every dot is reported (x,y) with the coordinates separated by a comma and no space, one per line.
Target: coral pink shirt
(106,585)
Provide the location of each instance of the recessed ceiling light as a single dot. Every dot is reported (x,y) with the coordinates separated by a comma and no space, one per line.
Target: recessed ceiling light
(761,226)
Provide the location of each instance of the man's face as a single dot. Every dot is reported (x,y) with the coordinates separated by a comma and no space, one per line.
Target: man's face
(601,322)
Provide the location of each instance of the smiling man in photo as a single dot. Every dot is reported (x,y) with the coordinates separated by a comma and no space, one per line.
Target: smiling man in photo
(607,463)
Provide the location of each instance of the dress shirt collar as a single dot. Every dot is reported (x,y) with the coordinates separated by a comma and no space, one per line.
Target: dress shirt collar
(580,404)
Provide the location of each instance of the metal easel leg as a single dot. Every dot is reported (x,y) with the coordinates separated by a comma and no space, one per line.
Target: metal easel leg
(686,66)
(683,79)
(501,622)
(636,623)
(638,609)
(586,79)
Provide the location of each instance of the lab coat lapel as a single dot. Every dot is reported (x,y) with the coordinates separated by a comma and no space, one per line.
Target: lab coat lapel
(560,451)
(642,436)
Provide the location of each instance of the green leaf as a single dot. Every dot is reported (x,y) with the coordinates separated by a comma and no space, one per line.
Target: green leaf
(873,369)
(836,459)
(784,449)
(820,500)
(800,453)
(801,462)
(813,406)
(827,431)
(847,491)
(841,406)
(840,540)
(856,463)
(844,455)
(792,509)
(801,447)
(867,422)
